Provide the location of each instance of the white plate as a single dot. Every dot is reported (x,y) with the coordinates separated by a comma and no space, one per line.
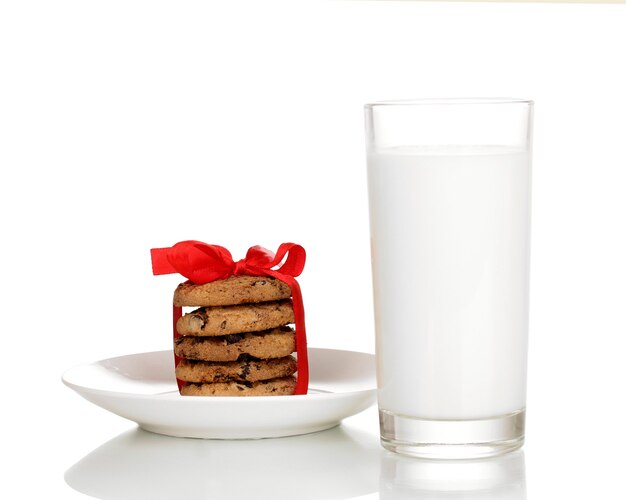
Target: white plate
(142,388)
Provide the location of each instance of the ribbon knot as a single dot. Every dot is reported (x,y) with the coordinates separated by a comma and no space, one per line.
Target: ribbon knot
(240,268)
(202,263)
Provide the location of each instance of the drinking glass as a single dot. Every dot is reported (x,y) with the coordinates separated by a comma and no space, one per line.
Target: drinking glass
(449,195)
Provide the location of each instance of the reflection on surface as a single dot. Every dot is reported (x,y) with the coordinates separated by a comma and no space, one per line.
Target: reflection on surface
(338,463)
(497,478)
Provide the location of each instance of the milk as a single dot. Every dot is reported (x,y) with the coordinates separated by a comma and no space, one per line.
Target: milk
(450,256)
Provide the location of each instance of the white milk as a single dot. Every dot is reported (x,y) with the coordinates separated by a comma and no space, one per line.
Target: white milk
(450,250)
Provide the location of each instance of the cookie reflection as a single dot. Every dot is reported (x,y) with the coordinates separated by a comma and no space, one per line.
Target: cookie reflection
(337,463)
(498,478)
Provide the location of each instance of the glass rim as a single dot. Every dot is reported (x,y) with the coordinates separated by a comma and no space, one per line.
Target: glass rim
(450,101)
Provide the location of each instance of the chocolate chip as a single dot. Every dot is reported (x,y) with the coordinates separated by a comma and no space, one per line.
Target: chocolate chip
(233,338)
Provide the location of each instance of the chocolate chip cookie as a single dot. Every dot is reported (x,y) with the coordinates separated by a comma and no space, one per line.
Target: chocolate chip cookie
(231,291)
(226,320)
(275,343)
(283,386)
(243,370)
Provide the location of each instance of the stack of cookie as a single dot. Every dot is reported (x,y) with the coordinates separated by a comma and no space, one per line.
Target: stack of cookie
(238,342)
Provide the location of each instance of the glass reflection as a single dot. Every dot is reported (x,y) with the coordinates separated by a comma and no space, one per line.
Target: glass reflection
(497,478)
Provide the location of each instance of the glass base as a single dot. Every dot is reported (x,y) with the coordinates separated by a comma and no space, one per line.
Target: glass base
(451,439)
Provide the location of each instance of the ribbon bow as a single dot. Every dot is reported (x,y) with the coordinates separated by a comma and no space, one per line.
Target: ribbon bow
(202,263)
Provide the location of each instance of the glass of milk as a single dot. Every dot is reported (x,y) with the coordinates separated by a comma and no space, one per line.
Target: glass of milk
(449,194)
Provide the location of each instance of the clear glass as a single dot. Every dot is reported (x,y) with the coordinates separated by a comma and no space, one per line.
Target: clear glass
(449,193)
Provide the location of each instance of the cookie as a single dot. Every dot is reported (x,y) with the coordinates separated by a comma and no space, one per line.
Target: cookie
(245,370)
(231,291)
(275,343)
(225,320)
(283,386)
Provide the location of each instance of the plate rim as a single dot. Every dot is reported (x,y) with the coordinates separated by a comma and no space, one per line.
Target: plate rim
(80,389)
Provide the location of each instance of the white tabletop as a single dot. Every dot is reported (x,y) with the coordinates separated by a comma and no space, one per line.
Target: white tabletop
(61,446)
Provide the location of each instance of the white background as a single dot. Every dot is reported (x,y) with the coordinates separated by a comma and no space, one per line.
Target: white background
(126,125)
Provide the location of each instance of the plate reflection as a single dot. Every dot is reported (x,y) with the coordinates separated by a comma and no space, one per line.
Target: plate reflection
(338,463)
(497,478)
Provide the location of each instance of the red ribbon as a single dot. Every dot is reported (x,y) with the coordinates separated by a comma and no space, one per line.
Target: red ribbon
(202,263)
